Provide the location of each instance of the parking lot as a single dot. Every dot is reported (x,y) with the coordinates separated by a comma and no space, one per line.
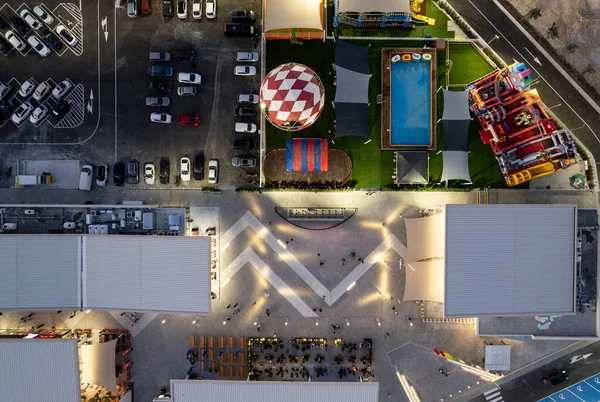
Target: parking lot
(108,120)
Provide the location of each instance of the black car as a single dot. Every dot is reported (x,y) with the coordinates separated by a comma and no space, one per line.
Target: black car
(199,166)
(133,172)
(165,171)
(244,145)
(167,8)
(51,39)
(184,55)
(119,174)
(61,109)
(5,112)
(161,86)
(244,111)
(4,22)
(20,25)
(556,378)
(5,47)
(242,16)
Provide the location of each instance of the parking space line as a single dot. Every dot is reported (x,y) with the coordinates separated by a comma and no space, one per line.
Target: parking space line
(77,113)
(13,11)
(52,27)
(76,28)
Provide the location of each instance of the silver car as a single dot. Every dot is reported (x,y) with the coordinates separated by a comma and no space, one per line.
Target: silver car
(156,101)
(187,91)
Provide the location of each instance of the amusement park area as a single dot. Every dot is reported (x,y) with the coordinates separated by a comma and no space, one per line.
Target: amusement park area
(399,99)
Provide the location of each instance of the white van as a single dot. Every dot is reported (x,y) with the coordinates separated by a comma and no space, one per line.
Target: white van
(85,178)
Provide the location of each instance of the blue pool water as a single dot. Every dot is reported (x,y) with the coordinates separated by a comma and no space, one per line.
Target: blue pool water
(410,103)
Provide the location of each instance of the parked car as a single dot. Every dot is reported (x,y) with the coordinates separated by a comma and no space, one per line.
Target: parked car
(119,174)
(86,178)
(22,112)
(185,167)
(21,26)
(191,121)
(146,7)
(213,171)
(4,24)
(182,9)
(160,56)
(245,128)
(65,35)
(5,46)
(101,175)
(167,8)
(244,111)
(15,40)
(238,30)
(245,70)
(30,19)
(199,166)
(41,91)
(164,118)
(5,112)
(556,378)
(211,9)
(38,46)
(52,40)
(161,86)
(149,177)
(244,145)
(43,15)
(61,89)
(61,109)
(38,115)
(189,78)
(197,9)
(239,161)
(159,70)
(242,15)
(132,175)
(132,8)
(165,171)
(158,101)
(4,90)
(184,55)
(187,91)
(246,56)
(248,98)
(27,88)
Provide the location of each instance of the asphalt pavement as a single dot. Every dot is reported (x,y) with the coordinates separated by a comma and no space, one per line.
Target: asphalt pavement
(556,92)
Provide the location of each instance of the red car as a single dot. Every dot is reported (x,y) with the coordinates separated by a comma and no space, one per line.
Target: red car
(147,7)
(189,121)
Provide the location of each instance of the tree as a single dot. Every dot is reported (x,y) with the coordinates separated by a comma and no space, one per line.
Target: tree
(552,31)
(534,13)
(571,47)
(589,69)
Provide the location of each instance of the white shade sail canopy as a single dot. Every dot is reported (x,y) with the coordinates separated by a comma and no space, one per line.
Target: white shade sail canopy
(425,237)
(285,14)
(365,6)
(456,166)
(456,105)
(98,364)
(424,281)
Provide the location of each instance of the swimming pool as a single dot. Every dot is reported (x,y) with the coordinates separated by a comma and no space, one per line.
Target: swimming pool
(410,104)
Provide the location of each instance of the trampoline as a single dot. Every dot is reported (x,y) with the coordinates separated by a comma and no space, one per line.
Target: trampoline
(306,155)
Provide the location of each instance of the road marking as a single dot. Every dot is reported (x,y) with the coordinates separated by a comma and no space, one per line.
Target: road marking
(534,57)
(537,72)
(115,25)
(90,105)
(104,25)
(577,358)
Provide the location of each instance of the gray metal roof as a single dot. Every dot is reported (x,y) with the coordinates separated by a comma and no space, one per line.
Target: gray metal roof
(40,272)
(510,260)
(147,273)
(39,370)
(273,391)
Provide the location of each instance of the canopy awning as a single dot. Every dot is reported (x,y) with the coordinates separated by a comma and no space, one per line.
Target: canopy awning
(365,6)
(98,364)
(424,281)
(456,166)
(456,105)
(284,14)
(425,237)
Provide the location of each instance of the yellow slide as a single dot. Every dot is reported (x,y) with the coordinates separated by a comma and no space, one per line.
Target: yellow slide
(416,8)
(531,173)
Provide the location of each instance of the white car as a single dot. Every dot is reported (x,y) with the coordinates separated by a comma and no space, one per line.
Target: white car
(22,112)
(213,171)
(39,114)
(185,168)
(41,91)
(65,35)
(182,9)
(189,78)
(61,89)
(15,40)
(246,56)
(33,22)
(38,46)
(41,14)
(245,70)
(4,90)
(211,9)
(197,9)
(27,88)
(248,98)
(245,128)
(149,177)
(164,118)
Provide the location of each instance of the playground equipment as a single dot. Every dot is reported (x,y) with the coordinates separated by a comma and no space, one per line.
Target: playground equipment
(380,19)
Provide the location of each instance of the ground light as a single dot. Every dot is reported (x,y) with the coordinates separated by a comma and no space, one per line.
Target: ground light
(317,323)
(378,322)
(255,321)
(347,323)
(195,320)
(286,321)
(164,320)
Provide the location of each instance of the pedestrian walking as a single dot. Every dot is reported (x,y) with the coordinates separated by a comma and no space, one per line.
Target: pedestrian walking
(320,263)
(258,328)
(314,310)
(269,223)
(320,310)
(254,303)
(235,305)
(383,224)
(318,254)
(229,305)
(59,311)
(292,239)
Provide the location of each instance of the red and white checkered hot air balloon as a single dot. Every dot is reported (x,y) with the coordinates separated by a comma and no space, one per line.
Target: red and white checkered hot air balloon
(292,96)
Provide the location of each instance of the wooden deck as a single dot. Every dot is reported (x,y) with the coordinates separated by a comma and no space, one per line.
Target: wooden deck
(386,110)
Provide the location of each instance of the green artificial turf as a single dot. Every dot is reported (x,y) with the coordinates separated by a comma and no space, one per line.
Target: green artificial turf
(467,64)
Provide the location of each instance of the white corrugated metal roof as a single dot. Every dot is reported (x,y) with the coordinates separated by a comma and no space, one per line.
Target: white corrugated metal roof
(40,272)
(273,391)
(147,273)
(510,260)
(39,370)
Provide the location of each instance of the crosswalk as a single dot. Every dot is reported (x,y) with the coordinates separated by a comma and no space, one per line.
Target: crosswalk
(493,395)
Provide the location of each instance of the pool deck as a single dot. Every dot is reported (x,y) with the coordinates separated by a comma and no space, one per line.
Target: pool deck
(386,106)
